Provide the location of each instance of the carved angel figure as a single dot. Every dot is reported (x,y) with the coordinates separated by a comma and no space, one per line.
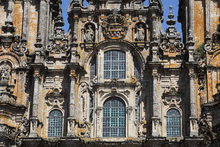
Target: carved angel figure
(89,34)
(140,33)
(5,72)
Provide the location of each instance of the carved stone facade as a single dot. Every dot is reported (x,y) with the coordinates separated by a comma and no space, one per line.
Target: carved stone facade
(115,79)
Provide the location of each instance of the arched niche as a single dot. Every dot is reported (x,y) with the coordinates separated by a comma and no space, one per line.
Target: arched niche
(140,32)
(89,33)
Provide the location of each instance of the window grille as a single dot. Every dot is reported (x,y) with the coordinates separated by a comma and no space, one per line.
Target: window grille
(173,123)
(114,65)
(55,124)
(93,69)
(114,118)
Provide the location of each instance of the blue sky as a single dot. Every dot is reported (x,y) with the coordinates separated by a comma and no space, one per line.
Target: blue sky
(166,4)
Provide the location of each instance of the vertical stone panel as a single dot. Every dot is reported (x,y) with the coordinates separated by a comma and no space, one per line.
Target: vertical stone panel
(199,22)
(32,25)
(18,17)
(214,15)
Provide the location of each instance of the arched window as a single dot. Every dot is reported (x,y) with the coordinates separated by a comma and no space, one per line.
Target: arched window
(114,64)
(173,123)
(55,124)
(114,118)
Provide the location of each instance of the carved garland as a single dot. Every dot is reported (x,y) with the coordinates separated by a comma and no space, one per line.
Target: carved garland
(213,43)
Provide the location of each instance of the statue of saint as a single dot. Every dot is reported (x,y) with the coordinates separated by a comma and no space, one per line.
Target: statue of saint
(140,33)
(89,34)
(5,72)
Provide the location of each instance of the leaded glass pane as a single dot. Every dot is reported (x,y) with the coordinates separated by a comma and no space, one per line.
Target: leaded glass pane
(114,65)
(114,118)
(173,123)
(55,124)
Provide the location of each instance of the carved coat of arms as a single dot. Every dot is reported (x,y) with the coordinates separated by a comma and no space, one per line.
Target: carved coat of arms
(114,26)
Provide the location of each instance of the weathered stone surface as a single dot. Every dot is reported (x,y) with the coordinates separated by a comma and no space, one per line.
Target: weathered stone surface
(43,69)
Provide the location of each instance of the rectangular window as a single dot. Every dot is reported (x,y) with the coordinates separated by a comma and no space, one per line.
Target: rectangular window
(114,65)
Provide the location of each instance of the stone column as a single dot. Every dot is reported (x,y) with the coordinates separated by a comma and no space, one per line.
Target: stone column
(207,16)
(34,114)
(155,17)
(193,118)
(191,16)
(75,28)
(26,4)
(71,117)
(74,45)
(156,106)
(43,21)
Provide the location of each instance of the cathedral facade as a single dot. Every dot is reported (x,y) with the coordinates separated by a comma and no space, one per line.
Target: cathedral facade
(115,79)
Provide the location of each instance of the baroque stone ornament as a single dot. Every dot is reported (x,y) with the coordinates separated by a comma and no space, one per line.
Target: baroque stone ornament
(142,128)
(114,26)
(89,33)
(54,98)
(171,97)
(140,32)
(7,131)
(20,47)
(8,37)
(213,43)
(22,131)
(171,44)
(5,70)
(83,128)
(58,41)
(6,97)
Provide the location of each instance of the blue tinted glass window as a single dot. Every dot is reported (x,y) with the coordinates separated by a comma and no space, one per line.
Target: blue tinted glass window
(55,124)
(173,123)
(114,118)
(114,65)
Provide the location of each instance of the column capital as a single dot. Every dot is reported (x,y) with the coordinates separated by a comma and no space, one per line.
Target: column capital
(155,72)
(37,76)
(191,73)
(73,74)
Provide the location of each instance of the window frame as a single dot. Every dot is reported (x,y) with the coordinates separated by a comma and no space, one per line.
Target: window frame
(62,123)
(118,61)
(110,99)
(180,124)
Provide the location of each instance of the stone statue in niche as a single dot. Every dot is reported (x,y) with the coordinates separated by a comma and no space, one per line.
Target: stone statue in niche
(4,72)
(140,32)
(89,34)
